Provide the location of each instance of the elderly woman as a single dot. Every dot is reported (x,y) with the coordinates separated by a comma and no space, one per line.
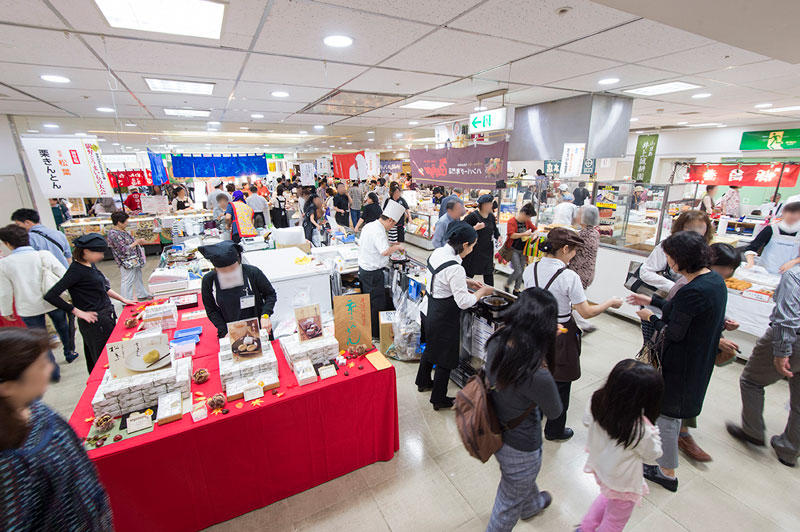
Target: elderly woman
(583,263)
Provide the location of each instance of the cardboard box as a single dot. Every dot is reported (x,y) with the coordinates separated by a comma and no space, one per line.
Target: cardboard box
(386,318)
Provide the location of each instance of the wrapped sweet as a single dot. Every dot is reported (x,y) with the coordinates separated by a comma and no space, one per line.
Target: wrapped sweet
(130,323)
(216,401)
(103,423)
(200,376)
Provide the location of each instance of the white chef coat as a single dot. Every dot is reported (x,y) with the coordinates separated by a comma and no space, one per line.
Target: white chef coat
(564,213)
(452,281)
(567,288)
(371,246)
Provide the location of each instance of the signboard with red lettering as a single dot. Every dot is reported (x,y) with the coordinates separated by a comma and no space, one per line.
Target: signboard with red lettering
(350,165)
(744,175)
(68,167)
(131,178)
(482,165)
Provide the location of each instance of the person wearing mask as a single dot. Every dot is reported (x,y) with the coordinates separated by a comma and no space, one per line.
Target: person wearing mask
(373,259)
(356,194)
(453,213)
(455,196)
(522,391)
(260,206)
(775,356)
(239,217)
(370,211)
(341,206)
(518,230)
(280,217)
(692,323)
(552,273)
(410,184)
(584,261)
(580,194)
(41,237)
(129,256)
(730,203)
(314,220)
(777,246)
(564,213)
(48,481)
(22,285)
(707,204)
(181,202)
(60,212)
(91,296)
(481,260)
(134,199)
(398,232)
(233,291)
(448,295)
(211,200)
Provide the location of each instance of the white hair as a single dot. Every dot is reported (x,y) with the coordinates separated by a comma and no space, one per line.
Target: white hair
(590,216)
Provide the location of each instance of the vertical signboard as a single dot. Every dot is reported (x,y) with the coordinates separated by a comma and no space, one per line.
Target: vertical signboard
(645,155)
(68,167)
(572,159)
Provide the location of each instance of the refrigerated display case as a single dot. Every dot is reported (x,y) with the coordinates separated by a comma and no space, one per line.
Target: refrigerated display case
(419,230)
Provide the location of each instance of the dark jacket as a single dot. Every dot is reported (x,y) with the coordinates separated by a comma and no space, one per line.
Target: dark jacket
(262,289)
(481,260)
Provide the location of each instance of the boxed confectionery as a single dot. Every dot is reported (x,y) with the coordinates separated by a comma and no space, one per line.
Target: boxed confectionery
(257,367)
(320,350)
(304,371)
(164,315)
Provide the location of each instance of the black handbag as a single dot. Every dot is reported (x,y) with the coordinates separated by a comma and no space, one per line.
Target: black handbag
(634,283)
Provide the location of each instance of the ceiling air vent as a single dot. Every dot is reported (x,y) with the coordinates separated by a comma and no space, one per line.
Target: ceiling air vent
(690,113)
(350,103)
(443,116)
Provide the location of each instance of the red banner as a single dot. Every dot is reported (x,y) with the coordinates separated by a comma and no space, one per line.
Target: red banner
(744,175)
(131,178)
(345,165)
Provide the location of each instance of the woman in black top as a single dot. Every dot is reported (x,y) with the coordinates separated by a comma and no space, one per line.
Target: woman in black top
(90,292)
(522,390)
(691,324)
(370,212)
(398,232)
(481,260)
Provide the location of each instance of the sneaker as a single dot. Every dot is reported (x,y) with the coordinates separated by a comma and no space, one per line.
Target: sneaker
(738,432)
(71,357)
(564,436)
(787,463)
(653,473)
(547,501)
(687,444)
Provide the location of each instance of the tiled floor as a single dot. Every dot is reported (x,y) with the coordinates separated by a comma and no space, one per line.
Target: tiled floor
(432,484)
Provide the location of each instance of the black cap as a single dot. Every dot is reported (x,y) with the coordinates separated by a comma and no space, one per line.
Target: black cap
(461,232)
(223,254)
(91,241)
(485,198)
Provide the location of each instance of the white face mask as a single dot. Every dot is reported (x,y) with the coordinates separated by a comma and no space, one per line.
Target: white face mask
(783,226)
(230,279)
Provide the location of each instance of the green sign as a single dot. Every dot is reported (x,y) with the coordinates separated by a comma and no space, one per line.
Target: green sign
(273,155)
(781,139)
(645,155)
(552,168)
(588,166)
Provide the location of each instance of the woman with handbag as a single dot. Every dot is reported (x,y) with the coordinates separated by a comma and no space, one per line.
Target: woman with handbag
(518,230)
(129,256)
(687,344)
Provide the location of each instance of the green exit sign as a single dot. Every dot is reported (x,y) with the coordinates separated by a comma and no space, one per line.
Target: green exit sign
(778,139)
(487,121)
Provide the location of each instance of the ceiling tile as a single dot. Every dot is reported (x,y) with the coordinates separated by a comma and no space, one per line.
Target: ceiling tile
(363,121)
(239,115)
(754,72)
(241,22)
(312,119)
(629,75)
(637,41)
(29,107)
(263,91)
(25,75)
(537,22)
(714,56)
(396,81)
(275,69)
(98,98)
(468,89)
(28,12)
(549,66)
(375,37)
(251,105)
(425,11)
(44,47)
(182,100)
(534,95)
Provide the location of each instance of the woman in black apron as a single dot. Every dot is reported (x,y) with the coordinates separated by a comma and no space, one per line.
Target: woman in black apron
(550,273)
(481,260)
(448,295)
(234,291)
(278,212)
(181,202)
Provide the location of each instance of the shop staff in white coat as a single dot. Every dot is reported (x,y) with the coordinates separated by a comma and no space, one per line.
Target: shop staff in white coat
(777,246)
(448,294)
(373,259)
(551,273)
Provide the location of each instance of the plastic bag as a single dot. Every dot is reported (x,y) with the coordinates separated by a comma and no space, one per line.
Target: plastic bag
(405,326)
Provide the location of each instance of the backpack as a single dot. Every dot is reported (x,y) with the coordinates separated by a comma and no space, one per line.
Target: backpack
(480,429)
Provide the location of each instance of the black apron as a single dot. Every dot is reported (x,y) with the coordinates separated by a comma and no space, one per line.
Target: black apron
(481,260)
(564,364)
(230,301)
(182,204)
(442,326)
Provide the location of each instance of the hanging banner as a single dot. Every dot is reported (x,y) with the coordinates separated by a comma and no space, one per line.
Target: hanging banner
(218,165)
(391,167)
(644,157)
(373,163)
(350,165)
(572,159)
(552,168)
(68,167)
(745,175)
(307,174)
(131,178)
(482,165)
(323,166)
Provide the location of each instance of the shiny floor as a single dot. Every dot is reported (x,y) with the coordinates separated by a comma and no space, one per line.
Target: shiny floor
(432,484)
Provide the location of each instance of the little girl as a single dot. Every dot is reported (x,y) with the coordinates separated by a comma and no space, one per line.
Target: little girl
(621,437)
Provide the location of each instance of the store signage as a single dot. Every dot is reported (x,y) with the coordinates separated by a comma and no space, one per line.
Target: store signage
(552,168)
(131,178)
(273,156)
(391,167)
(67,167)
(323,166)
(350,165)
(588,166)
(218,165)
(481,164)
(307,174)
(744,175)
(155,204)
(607,197)
(644,157)
(373,162)
(351,320)
(487,121)
(781,139)
(572,159)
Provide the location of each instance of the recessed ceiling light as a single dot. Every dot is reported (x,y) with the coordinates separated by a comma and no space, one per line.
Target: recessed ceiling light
(80,134)
(245,128)
(52,78)
(370,132)
(682,123)
(115,143)
(634,119)
(663,88)
(280,94)
(130,124)
(105,109)
(212,123)
(319,127)
(33,131)
(304,132)
(426,105)
(195,18)
(187,113)
(783,109)
(331,146)
(413,123)
(700,95)
(184,87)
(398,135)
(371,140)
(349,143)
(608,81)
(337,41)
(480,108)
(762,105)
(256,115)
(51,126)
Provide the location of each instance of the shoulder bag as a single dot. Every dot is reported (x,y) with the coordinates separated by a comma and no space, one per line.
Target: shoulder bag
(48,277)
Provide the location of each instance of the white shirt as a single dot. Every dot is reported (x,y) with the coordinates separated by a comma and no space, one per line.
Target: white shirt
(452,281)
(564,213)
(618,468)
(567,288)
(258,203)
(371,246)
(21,281)
(649,273)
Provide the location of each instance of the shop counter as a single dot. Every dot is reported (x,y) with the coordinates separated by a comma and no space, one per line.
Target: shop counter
(189,475)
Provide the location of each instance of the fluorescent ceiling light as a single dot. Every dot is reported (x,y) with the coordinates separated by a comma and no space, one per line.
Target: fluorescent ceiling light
(115,143)
(51,126)
(187,113)
(634,119)
(319,127)
(105,109)
(370,132)
(700,95)
(682,123)
(608,81)
(52,78)
(256,115)
(331,146)
(663,88)
(130,124)
(480,108)
(398,135)
(720,125)
(413,123)
(304,132)
(783,109)
(371,140)
(706,124)
(194,18)
(184,87)
(213,123)
(245,128)
(280,94)
(337,41)
(80,134)
(762,105)
(33,131)
(426,105)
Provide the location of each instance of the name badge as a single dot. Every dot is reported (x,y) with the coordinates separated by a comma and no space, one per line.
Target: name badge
(247,301)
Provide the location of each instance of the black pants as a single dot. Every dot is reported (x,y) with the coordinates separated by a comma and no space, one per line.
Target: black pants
(372,283)
(488,278)
(95,335)
(440,379)
(555,427)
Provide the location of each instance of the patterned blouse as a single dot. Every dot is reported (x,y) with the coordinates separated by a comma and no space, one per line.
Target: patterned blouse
(49,483)
(584,261)
(126,254)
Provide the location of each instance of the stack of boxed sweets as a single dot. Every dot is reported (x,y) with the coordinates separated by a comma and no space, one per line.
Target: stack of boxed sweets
(164,316)
(124,395)
(302,356)
(236,375)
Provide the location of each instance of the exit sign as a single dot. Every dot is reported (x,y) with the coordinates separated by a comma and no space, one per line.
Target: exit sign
(487,121)
(780,139)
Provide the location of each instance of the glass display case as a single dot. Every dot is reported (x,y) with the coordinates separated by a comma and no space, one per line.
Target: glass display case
(419,230)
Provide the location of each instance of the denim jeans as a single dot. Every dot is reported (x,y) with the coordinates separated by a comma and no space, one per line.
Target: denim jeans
(517,495)
(355,214)
(37,322)
(518,264)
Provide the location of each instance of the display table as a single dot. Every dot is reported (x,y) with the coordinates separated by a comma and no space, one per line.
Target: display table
(188,476)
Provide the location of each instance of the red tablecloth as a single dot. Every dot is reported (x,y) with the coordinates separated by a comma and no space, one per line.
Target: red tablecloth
(187,476)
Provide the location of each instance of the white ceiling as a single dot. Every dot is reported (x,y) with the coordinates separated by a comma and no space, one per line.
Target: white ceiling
(444,50)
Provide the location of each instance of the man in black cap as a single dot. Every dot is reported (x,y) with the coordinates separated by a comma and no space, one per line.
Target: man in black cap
(234,291)
(481,260)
